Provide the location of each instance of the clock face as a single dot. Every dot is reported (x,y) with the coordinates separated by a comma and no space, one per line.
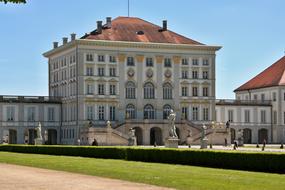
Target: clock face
(131,72)
(149,73)
(167,73)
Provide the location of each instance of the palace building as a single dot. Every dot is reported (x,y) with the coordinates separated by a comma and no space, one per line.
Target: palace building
(132,73)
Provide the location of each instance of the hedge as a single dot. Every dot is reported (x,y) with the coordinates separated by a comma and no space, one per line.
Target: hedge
(250,161)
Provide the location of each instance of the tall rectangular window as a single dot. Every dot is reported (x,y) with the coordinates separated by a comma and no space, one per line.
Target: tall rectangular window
(89,57)
(112,89)
(195,74)
(101,113)
(263,116)
(112,59)
(149,62)
(112,113)
(195,114)
(262,97)
(89,89)
(101,58)
(101,71)
(184,112)
(90,113)
(184,91)
(230,115)
(51,114)
(112,72)
(205,91)
(10,113)
(205,62)
(205,75)
(184,74)
(89,71)
(194,91)
(247,116)
(101,89)
(31,113)
(195,62)
(274,96)
(184,61)
(205,114)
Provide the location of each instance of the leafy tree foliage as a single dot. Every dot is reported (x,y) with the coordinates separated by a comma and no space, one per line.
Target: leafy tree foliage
(13,1)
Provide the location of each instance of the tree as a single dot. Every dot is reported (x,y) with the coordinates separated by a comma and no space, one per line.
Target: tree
(13,1)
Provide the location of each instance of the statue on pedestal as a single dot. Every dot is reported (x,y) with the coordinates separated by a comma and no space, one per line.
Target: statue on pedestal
(172,128)
(132,137)
(204,139)
(39,139)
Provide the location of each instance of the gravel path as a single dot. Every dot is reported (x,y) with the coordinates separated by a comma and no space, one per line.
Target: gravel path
(13,177)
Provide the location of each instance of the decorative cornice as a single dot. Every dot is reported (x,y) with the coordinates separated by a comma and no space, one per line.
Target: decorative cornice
(123,44)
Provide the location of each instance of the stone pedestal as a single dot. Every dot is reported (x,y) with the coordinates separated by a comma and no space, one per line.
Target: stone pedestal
(171,142)
(240,142)
(204,143)
(38,141)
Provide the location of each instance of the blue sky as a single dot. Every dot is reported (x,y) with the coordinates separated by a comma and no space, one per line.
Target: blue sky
(252,34)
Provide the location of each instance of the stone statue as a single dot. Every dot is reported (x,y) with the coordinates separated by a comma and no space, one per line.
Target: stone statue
(240,137)
(172,128)
(203,133)
(204,140)
(109,124)
(39,131)
(132,137)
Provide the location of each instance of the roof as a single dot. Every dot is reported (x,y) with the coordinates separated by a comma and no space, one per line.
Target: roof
(132,29)
(272,76)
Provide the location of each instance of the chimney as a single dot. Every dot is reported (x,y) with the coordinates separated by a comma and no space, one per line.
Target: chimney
(99,27)
(55,45)
(73,36)
(108,22)
(64,40)
(164,25)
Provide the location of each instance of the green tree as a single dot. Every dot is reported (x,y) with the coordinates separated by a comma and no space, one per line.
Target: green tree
(13,1)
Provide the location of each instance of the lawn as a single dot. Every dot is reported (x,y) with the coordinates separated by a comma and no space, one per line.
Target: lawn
(177,176)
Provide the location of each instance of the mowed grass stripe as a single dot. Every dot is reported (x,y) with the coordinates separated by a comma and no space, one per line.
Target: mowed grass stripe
(167,175)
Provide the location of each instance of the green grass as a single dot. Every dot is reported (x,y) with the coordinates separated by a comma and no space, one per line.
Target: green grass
(176,176)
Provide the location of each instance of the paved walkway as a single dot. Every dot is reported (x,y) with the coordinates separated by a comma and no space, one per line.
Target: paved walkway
(14,177)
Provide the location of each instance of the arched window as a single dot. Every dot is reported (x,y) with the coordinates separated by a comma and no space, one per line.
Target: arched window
(130,90)
(149,112)
(130,111)
(148,91)
(166,111)
(167,91)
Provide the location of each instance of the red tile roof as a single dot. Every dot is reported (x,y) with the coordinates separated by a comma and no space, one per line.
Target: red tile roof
(126,28)
(272,76)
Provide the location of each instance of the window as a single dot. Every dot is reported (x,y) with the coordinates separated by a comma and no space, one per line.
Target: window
(263,116)
(230,115)
(149,112)
(130,61)
(262,97)
(167,91)
(89,71)
(31,114)
(112,113)
(184,61)
(89,89)
(112,59)
(184,91)
(89,57)
(205,62)
(149,91)
(195,74)
(184,74)
(194,91)
(51,114)
(205,91)
(149,62)
(206,114)
(246,116)
(101,113)
(274,96)
(130,90)
(167,62)
(205,75)
(101,58)
(101,71)
(184,113)
(166,111)
(112,72)
(130,111)
(284,117)
(101,89)
(90,113)
(10,113)
(195,114)
(255,97)
(112,89)
(195,62)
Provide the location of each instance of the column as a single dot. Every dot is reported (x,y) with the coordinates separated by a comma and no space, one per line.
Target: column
(122,80)
(176,82)
(140,82)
